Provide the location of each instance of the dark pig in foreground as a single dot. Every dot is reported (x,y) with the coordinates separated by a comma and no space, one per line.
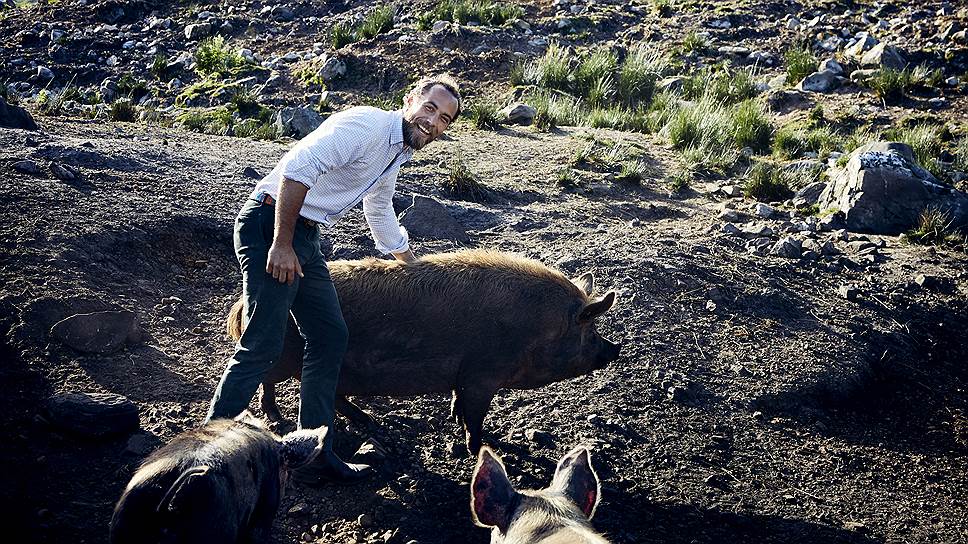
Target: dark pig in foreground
(218,484)
(468,323)
(558,514)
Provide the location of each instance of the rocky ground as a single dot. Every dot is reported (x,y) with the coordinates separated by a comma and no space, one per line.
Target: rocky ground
(783,378)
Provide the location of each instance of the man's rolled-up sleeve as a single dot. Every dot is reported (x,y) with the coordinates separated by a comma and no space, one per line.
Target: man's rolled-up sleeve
(339,141)
(389,235)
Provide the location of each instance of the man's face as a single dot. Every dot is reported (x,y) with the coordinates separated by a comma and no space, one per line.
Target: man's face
(427,116)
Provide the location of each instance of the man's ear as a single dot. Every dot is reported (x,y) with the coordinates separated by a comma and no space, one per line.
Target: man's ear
(492,495)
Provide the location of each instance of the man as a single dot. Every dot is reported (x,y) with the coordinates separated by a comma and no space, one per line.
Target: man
(354,155)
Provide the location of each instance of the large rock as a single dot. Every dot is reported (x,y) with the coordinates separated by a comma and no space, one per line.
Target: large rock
(519,113)
(883,190)
(15,117)
(198,31)
(428,218)
(884,56)
(93,414)
(332,69)
(820,82)
(297,122)
(98,332)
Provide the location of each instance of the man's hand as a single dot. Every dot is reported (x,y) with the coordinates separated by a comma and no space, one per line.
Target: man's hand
(283,264)
(407,256)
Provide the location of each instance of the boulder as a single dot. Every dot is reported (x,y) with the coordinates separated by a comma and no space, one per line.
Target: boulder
(428,218)
(332,69)
(519,113)
(819,82)
(788,247)
(863,44)
(883,190)
(884,56)
(784,101)
(93,414)
(297,122)
(98,332)
(809,195)
(197,31)
(15,117)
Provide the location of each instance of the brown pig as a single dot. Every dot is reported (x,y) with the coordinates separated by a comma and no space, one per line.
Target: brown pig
(468,323)
(218,484)
(559,514)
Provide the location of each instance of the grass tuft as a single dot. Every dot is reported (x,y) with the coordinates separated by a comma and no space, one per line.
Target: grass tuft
(765,182)
(801,62)
(484,115)
(637,77)
(461,182)
(935,227)
(214,56)
(122,110)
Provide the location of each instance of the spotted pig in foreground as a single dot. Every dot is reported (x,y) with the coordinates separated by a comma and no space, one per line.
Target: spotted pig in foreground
(559,514)
(220,483)
(466,323)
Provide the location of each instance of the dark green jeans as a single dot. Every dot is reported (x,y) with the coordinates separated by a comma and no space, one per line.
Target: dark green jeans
(313,303)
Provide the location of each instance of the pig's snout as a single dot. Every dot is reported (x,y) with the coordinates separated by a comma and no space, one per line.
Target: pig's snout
(608,353)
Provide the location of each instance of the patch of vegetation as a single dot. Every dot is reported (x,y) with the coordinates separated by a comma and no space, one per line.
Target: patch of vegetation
(793,140)
(593,68)
(123,110)
(765,181)
(750,126)
(926,142)
(159,67)
(307,72)
(639,73)
(722,84)
(484,115)
(376,22)
(131,87)
(461,182)
(680,181)
(211,87)
(242,116)
(632,172)
(935,228)
(800,63)
(890,84)
(662,8)
(566,178)
(214,56)
(961,154)
(465,11)
(341,34)
(693,43)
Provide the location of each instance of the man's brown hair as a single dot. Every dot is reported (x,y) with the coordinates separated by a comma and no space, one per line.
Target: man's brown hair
(444,80)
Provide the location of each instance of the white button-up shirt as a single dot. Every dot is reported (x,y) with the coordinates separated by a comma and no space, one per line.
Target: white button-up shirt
(354,155)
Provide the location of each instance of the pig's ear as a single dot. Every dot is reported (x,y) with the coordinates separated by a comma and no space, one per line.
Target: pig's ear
(576,478)
(299,448)
(585,282)
(492,495)
(597,307)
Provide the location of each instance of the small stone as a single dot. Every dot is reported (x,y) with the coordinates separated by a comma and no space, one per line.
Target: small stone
(64,172)
(300,509)
(788,247)
(365,521)
(731,191)
(764,210)
(540,438)
(28,167)
(93,414)
(848,292)
(519,113)
(927,281)
(731,216)
(819,82)
(730,229)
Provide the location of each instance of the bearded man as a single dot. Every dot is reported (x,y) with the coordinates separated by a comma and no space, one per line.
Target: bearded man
(353,156)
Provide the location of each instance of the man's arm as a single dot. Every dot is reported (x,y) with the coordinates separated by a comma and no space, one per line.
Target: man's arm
(283,263)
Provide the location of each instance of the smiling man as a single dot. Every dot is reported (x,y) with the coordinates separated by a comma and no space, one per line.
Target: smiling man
(353,156)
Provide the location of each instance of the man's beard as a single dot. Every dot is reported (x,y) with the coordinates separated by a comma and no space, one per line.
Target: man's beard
(412,136)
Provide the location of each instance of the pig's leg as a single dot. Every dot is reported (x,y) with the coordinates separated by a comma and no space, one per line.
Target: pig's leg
(474,403)
(268,402)
(354,413)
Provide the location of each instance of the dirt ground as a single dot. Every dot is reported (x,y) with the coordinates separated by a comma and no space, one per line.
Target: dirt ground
(783,414)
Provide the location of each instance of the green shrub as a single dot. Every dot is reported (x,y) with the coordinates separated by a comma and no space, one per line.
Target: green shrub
(925,141)
(693,43)
(794,139)
(765,181)
(341,34)
(801,62)
(637,76)
(592,70)
(890,84)
(751,128)
(214,56)
(122,110)
(631,172)
(376,22)
(461,182)
(566,178)
(552,69)
(935,227)
(465,11)
(484,115)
